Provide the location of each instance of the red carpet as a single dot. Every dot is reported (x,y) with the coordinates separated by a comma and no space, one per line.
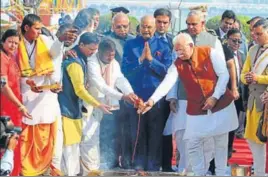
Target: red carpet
(243,155)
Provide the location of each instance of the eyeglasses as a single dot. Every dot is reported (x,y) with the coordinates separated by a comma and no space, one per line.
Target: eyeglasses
(236,41)
(121,26)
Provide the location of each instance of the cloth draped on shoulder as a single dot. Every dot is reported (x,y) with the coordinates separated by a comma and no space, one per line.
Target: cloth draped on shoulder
(261,63)
(43,60)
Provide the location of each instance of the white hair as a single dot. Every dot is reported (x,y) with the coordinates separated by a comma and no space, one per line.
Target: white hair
(183,36)
(197,13)
(119,15)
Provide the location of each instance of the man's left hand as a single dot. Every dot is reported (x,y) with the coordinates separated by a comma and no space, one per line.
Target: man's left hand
(56,90)
(210,103)
(147,106)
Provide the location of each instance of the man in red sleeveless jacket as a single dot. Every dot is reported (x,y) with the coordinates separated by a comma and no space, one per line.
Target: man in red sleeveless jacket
(210,109)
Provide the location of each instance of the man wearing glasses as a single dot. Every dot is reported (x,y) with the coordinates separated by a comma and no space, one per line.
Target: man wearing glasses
(120,34)
(234,40)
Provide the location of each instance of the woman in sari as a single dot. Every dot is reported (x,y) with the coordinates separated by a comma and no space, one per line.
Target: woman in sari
(11,104)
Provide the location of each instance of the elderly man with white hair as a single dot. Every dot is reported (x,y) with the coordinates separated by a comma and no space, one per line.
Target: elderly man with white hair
(204,74)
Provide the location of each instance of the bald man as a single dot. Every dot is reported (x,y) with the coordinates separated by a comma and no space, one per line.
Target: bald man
(120,34)
(145,62)
(204,74)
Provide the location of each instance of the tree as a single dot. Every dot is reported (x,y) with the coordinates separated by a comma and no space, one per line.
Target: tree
(213,23)
(106,23)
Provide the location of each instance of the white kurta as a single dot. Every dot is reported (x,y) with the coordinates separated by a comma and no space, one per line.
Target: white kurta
(208,125)
(98,86)
(178,119)
(44,107)
(90,153)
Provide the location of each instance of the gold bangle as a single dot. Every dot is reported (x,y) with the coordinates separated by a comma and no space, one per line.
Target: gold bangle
(21,108)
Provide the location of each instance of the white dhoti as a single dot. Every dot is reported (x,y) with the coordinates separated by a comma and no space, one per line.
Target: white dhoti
(90,145)
(259,157)
(199,131)
(178,128)
(58,149)
(70,160)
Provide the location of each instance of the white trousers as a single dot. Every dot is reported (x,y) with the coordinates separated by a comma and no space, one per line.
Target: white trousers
(57,156)
(182,148)
(259,157)
(198,154)
(70,161)
(90,144)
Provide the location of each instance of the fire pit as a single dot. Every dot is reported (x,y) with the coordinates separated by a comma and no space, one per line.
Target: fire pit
(135,173)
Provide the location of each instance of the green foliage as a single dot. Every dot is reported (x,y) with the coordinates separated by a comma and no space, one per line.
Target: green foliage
(105,23)
(213,23)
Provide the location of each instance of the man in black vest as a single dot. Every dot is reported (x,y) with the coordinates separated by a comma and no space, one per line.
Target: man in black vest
(227,20)
(162,22)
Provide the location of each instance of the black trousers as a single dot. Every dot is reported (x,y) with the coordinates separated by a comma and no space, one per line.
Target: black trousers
(167,150)
(148,150)
(109,141)
(124,115)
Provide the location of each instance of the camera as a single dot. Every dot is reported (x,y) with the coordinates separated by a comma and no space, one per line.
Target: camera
(7,131)
(3,82)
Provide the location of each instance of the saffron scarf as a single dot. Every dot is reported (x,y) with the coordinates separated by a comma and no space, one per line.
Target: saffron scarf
(43,61)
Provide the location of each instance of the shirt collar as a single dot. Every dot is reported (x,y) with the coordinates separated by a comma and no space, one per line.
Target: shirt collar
(222,33)
(265,46)
(158,35)
(79,53)
(27,42)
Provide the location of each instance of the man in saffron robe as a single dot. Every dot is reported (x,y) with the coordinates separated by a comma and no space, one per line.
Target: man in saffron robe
(35,57)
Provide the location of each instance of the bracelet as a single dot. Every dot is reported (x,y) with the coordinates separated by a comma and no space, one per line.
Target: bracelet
(21,108)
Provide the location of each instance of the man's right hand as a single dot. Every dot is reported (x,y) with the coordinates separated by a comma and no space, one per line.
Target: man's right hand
(13,141)
(105,108)
(235,94)
(173,105)
(130,98)
(70,53)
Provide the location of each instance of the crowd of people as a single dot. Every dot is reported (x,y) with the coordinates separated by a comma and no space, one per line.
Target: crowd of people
(89,102)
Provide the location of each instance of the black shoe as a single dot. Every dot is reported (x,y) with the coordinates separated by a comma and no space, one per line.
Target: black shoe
(240,136)
(168,170)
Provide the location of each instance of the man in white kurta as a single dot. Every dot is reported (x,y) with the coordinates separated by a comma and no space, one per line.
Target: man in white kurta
(197,129)
(177,95)
(105,78)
